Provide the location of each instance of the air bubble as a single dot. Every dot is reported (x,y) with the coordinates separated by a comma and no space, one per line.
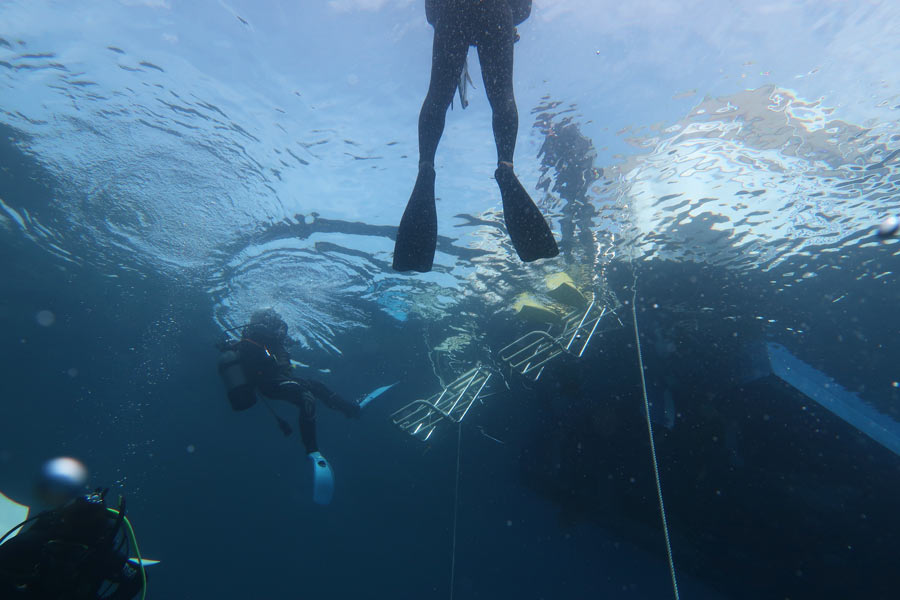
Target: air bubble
(45,318)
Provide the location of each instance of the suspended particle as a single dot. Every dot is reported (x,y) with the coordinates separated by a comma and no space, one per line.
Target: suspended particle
(45,318)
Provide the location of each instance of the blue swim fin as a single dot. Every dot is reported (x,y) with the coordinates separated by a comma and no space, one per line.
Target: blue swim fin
(375,393)
(323,479)
(143,562)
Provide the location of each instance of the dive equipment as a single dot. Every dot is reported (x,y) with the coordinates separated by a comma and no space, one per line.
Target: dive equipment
(417,235)
(375,393)
(529,232)
(323,479)
(68,526)
(240,392)
(11,513)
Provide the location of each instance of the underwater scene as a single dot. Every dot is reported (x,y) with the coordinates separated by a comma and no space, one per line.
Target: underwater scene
(465,299)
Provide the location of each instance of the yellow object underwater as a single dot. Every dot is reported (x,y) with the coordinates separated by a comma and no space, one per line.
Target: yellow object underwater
(529,308)
(11,513)
(561,288)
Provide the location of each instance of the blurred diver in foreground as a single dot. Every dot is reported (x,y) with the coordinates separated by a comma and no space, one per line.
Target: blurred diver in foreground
(490,25)
(78,551)
(259,362)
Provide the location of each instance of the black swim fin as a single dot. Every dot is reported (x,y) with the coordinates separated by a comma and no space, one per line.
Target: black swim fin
(529,232)
(417,234)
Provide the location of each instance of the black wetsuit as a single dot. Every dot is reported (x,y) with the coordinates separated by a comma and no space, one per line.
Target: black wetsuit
(76,552)
(489,25)
(267,364)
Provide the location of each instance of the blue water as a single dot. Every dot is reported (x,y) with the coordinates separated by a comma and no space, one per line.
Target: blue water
(168,167)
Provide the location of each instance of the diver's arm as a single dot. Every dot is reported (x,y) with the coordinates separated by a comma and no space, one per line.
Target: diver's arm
(283,360)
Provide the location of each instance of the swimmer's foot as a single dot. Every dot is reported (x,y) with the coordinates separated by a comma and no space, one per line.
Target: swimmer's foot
(529,232)
(417,234)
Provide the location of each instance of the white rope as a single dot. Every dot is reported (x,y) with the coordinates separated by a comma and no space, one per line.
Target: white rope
(455,510)
(662,507)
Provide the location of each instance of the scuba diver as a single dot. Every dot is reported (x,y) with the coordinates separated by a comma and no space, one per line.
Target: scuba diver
(489,25)
(259,362)
(78,551)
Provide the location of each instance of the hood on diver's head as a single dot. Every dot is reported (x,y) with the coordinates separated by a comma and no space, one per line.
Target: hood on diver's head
(60,480)
(271,320)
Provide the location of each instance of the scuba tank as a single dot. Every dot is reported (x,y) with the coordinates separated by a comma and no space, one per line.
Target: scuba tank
(73,551)
(240,391)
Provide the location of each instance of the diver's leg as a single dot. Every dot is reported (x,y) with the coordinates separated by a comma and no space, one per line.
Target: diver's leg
(448,55)
(297,392)
(496,41)
(291,390)
(333,401)
(417,235)
(308,424)
(529,232)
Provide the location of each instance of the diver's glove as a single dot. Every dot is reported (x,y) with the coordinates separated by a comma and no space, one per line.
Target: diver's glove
(323,479)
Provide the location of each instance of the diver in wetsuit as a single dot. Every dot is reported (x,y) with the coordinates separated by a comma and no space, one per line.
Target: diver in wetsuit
(489,25)
(78,551)
(259,361)
(267,366)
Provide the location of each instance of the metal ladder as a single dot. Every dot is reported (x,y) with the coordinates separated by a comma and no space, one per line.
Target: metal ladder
(530,353)
(420,418)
